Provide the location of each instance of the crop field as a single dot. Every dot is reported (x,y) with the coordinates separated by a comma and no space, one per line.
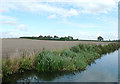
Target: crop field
(15,47)
(38,55)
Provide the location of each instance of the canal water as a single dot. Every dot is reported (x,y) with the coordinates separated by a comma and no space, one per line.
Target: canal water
(104,69)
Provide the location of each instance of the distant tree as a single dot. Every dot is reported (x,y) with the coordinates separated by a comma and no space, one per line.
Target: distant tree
(100,38)
(70,37)
(49,36)
(64,38)
(45,36)
(40,36)
(77,38)
(56,37)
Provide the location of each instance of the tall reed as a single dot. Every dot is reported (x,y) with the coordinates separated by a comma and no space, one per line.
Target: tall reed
(72,59)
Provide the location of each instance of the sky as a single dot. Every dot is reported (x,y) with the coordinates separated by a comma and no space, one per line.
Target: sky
(82,19)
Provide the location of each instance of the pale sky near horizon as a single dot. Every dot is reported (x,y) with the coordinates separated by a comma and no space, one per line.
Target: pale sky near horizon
(83,19)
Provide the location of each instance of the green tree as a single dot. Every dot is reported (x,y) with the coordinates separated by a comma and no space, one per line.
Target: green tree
(70,37)
(100,38)
(56,36)
(40,36)
(49,36)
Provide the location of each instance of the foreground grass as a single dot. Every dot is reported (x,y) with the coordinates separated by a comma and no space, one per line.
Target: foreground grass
(75,58)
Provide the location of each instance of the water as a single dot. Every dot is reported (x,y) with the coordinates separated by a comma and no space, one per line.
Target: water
(104,69)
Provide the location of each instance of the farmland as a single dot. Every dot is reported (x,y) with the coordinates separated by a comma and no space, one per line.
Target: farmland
(13,47)
(51,58)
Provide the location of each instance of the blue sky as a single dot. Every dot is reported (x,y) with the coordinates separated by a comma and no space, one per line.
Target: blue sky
(83,19)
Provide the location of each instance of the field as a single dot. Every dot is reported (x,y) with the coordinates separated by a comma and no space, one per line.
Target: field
(51,56)
(13,47)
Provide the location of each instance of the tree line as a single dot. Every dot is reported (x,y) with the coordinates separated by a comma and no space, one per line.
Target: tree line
(51,38)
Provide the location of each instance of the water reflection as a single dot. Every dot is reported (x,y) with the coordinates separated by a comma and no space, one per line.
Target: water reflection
(34,76)
(104,69)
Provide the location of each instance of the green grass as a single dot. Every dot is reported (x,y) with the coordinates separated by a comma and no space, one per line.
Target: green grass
(73,59)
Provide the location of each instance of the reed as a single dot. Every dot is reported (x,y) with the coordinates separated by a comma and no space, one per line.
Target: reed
(75,58)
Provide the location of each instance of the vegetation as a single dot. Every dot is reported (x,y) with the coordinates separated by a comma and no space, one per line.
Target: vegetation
(100,38)
(75,58)
(69,38)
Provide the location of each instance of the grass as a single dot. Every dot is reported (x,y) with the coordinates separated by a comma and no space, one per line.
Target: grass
(75,58)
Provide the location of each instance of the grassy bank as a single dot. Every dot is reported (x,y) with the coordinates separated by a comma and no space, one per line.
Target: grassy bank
(75,58)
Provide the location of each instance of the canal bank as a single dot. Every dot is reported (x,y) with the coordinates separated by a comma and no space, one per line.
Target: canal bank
(104,69)
(74,59)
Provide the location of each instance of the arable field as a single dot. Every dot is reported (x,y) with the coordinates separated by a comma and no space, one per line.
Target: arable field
(38,55)
(15,47)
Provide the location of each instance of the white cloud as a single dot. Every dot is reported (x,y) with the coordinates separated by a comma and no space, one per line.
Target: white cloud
(67,9)
(3,10)
(76,6)
(8,22)
(71,12)
(98,34)
(80,25)
(9,34)
(96,6)
(22,27)
(94,34)
(52,17)
(14,34)
(5,17)
(47,8)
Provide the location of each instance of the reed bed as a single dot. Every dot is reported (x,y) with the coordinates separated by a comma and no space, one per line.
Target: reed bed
(70,59)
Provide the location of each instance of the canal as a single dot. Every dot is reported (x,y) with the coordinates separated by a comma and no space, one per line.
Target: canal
(104,69)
